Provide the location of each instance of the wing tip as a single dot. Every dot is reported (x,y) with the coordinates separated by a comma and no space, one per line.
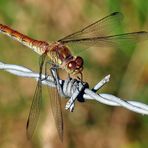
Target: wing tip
(115,13)
(28,134)
(119,14)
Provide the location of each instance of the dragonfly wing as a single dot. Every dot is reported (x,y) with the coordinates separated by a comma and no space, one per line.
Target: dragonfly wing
(34,110)
(55,99)
(100,34)
(111,41)
(36,103)
(98,28)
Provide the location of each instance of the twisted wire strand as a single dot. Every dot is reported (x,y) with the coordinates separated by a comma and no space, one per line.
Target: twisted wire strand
(69,86)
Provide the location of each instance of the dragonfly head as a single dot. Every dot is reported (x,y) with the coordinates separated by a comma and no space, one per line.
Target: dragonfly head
(75,66)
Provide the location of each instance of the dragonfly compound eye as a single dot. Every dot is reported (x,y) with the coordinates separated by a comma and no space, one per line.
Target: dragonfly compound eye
(79,62)
(72,65)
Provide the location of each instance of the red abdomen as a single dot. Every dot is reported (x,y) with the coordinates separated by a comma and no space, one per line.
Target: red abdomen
(37,46)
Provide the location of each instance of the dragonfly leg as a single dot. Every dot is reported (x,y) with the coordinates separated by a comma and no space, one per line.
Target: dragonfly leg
(46,68)
(69,76)
(81,77)
(56,78)
(48,65)
(41,63)
(53,70)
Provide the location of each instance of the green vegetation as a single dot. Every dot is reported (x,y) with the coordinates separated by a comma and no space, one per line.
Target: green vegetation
(91,124)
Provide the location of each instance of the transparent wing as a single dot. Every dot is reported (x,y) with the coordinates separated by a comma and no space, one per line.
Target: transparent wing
(34,110)
(112,41)
(98,28)
(100,34)
(55,99)
(36,103)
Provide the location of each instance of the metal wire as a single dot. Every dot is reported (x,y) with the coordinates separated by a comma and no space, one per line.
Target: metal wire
(73,89)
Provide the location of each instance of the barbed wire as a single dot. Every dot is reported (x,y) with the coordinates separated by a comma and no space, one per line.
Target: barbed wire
(73,89)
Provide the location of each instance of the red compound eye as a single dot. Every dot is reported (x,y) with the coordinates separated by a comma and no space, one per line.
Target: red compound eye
(79,61)
(72,65)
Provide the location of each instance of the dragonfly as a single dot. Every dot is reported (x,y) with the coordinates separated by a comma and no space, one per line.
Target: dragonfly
(60,56)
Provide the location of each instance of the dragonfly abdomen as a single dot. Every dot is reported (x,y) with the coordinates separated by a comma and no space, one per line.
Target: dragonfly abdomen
(37,46)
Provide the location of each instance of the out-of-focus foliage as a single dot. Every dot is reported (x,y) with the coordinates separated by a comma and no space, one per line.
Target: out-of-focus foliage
(91,124)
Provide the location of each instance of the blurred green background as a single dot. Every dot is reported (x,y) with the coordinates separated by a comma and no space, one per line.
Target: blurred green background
(91,124)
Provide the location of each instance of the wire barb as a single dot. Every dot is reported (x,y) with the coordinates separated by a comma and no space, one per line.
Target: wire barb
(73,89)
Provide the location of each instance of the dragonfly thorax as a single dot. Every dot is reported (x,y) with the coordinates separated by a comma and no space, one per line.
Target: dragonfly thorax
(61,56)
